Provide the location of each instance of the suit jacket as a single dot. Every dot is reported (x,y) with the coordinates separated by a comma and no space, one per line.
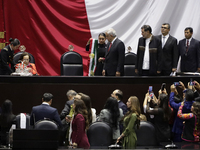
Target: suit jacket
(191,61)
(44,111)
(6,58)
(114,58)
(78,132)
(66,109)
(170,53)
(105,116)
(123,107)
(155,55)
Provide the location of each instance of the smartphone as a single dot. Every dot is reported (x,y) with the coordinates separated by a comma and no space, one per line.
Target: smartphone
(151,95)
(192,83)
(177,84)
(150,89)
(163,86)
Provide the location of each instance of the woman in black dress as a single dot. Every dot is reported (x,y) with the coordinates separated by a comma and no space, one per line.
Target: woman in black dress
(7,118)
(101,53)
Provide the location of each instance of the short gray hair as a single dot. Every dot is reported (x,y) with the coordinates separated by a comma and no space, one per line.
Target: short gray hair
(71,92)
(112,32)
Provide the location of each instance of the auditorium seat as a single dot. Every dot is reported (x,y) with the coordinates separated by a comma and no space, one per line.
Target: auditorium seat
(45,125)
(19,121)
(71,64)
(146,134)
(17,56)
(99,135)
(129,64)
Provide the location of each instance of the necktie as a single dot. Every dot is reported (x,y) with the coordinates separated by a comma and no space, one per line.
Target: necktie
(109,47)
(163,43)
(187,46)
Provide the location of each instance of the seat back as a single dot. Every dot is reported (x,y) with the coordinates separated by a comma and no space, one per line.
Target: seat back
(129,64)
(71,64)
(99,135)
(46,125)
(19,121)
(17,56)
(146,134)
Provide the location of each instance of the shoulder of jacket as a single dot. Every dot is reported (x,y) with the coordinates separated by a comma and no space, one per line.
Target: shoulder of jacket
(6,49)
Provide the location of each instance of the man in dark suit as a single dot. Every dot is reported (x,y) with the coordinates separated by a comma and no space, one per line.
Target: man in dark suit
(119,95)
(115,55)
(189,50)
(169,50)
(45,111)
(70,96)
(149,54)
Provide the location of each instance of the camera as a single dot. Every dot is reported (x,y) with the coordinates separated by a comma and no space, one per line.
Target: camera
(163,86)
(192,83)
(150,89)
(177,84)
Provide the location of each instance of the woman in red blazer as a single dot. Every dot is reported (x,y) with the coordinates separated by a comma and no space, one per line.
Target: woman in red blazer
(79,125)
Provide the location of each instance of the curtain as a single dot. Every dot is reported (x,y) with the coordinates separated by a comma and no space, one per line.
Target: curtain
(48,27)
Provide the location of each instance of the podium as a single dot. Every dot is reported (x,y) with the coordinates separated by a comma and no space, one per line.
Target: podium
(24,139)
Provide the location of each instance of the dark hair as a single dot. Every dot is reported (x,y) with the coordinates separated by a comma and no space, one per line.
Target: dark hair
(189,95)
(6,107)
(164,105)
(167,24)
(14,42)
(146,28)
(24,54)
(80,108)
(86,99)
(190,29)
(47,97)
(196,106)
(103,34)
(119,94)
(113,108)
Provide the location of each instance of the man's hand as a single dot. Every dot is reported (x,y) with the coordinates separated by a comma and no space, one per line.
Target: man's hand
(136,71)
(172,88)
(117,74)
(103,73)
(158,72)
(101,59)
(173,69)
(182,86)
(196,85)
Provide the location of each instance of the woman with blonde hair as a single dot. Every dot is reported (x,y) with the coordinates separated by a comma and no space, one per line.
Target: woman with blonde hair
(131,119)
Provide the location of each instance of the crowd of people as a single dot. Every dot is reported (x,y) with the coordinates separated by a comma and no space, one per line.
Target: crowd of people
(175,116)
(156,55)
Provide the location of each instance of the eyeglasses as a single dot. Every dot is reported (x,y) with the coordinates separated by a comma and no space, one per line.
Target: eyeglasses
(164,28)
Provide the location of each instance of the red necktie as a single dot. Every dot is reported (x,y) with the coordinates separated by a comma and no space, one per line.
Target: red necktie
(109,47)
(187,46)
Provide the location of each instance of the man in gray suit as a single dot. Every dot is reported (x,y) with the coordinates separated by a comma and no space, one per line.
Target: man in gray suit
(115,55)
(70,95)
(169,50)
